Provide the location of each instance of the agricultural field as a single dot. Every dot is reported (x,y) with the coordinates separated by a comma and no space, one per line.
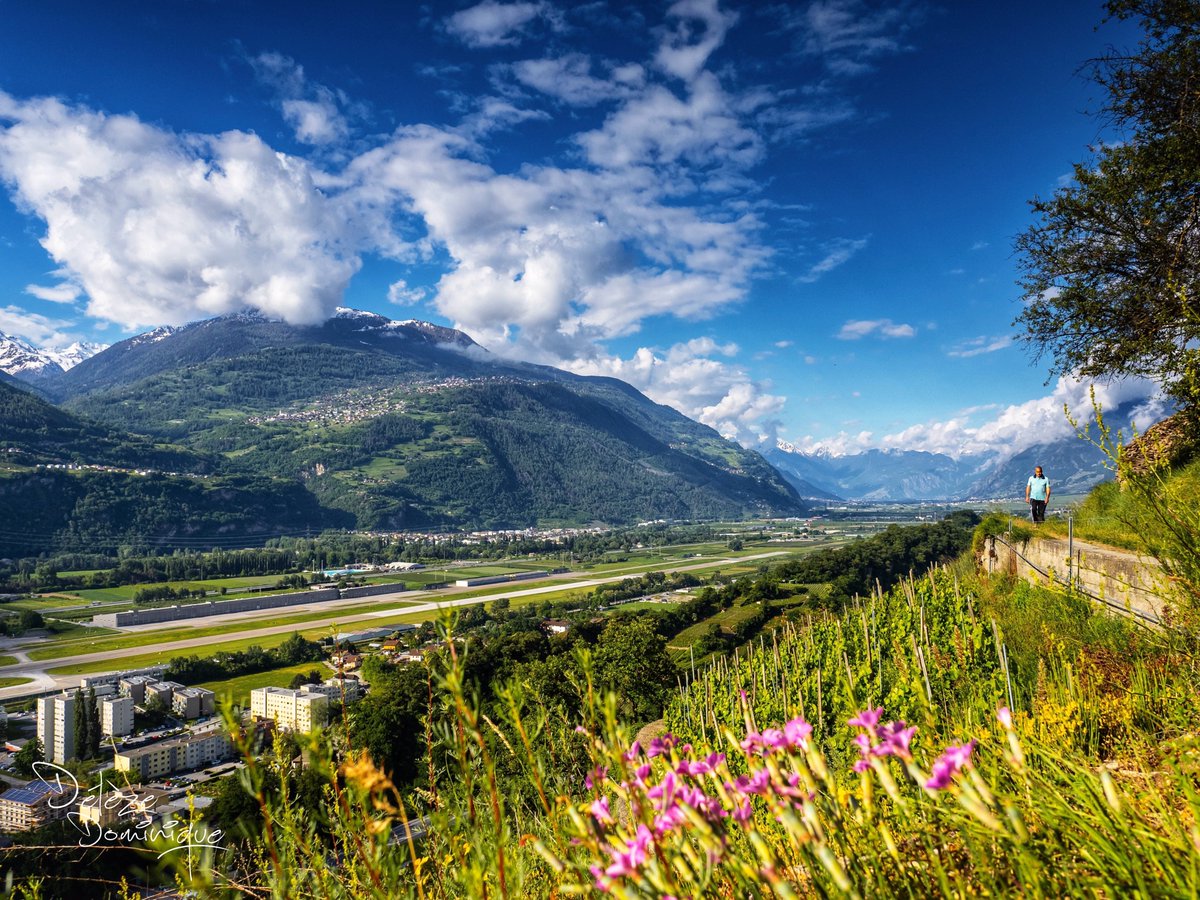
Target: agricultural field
(237,690)
(125,593)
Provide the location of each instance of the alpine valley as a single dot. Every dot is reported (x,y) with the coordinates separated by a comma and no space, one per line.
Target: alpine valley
(240,427)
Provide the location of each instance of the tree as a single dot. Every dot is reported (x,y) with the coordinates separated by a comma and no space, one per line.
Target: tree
(1111,268)
(389,723)
(83,724)
(29,754)
(631,660)
(92,711)
(30,619)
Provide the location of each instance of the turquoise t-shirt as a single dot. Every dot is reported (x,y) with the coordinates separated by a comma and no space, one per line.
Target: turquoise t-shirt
(1038,487)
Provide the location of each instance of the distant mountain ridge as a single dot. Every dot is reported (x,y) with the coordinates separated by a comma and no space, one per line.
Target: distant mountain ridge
(1072,464)
(379,425)
(35,365)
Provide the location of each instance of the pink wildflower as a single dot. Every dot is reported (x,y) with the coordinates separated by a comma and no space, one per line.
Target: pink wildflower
(753,742)
(595,776)
(659,746)
(600,811)
(797,732)
(628,861)
(949,764)
(634,751)
(894,740)
(742,814)
(868,719)
(1004,717)
(754,784)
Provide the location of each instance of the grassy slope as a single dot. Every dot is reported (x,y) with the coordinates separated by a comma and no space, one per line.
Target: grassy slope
(1109,515)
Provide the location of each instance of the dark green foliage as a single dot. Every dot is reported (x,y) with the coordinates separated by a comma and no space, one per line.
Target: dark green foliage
(884,558)
(87,725)
(106,510)
(43,433)
(24,758)
(194,669)
(390,721)
(1112,265)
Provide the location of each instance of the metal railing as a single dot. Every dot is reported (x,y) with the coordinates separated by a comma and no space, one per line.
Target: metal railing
(1142,618)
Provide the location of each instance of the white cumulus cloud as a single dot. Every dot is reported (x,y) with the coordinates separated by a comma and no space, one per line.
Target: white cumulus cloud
(58,293)
(1020,426)
(492,24)
(158,227)
(38,329)
(713,391)
(856,329)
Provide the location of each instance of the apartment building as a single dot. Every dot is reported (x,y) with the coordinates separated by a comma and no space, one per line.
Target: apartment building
(291,710)
(193,702)
(26,808)
(56,727)
(116,716)
(199,747)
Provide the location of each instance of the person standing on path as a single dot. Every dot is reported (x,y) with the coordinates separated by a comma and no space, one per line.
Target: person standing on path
(1037,494)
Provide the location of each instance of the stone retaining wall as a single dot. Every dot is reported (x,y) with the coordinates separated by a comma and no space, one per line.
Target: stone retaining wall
(1117,576)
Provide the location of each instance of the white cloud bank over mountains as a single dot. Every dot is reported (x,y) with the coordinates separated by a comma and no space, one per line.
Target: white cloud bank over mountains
(150,226)
(1014,428)
(652,212)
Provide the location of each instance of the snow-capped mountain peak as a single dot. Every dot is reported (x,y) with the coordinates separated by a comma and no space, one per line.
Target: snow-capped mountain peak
(72,355)
(22,360)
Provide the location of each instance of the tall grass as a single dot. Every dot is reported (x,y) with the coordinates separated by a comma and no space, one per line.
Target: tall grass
(920,745)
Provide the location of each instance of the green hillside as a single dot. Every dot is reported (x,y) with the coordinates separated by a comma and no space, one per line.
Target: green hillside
(358,423)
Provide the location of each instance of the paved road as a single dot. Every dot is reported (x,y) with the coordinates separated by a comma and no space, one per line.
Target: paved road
(173,645)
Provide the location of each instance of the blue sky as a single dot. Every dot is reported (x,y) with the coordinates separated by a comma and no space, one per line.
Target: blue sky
(788,220)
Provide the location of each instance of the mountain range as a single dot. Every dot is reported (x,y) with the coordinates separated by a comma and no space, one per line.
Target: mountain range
(1073,465)
(241,426)
(23,361)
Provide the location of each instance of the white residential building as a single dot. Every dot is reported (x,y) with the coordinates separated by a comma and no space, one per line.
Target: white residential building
(116,716)
(288,709)
(56,727)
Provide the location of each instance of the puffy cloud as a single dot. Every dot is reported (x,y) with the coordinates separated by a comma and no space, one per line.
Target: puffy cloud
(1021,426)
(158,227)
(856,329)
(401,294)
(492,24)
(311,110)
(38,329)
(59,293)
(681,53)
(703,130)
(979,346)
(570,79)
(550,260)
(687,377)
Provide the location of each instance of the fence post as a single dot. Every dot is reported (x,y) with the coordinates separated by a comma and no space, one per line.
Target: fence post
(1070,550)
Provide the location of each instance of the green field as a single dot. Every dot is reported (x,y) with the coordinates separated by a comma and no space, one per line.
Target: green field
(8,660)
(238,689)
(62,649)
(13,680)
(125,593)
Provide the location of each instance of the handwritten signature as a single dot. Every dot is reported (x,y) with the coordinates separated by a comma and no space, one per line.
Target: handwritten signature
(135,811)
